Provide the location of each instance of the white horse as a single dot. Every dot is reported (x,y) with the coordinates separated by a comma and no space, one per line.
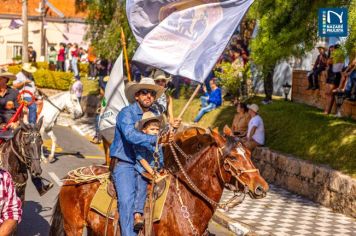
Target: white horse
(52,106)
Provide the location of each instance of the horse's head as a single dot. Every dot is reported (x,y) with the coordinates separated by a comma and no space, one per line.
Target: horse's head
(237,164)
(72,104)
(29,141)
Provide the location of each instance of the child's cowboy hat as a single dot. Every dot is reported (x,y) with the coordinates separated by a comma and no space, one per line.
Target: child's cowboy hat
(146,117)
(7,75)
(145,83)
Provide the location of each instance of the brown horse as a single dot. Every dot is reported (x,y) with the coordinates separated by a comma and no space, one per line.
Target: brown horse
(21,154)
(200,165)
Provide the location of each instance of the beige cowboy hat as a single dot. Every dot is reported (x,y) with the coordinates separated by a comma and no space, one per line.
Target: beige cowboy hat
(146,83)
(7,75)
(160,75)
(253,107)
(149,116)
(320,45)
(29,68)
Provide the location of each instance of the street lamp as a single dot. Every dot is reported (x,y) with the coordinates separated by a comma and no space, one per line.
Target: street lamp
(339,100)
(286,90)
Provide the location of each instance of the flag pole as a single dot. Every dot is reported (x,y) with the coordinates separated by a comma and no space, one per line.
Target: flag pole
(123,42)
(189,101)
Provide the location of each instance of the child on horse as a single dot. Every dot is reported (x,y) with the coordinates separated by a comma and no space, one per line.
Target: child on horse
(148,164)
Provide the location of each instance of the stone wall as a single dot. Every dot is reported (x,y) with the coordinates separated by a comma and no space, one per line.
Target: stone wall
(316,98)
(320,184)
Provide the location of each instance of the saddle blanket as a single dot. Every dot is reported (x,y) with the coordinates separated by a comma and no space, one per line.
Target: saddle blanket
(106,205)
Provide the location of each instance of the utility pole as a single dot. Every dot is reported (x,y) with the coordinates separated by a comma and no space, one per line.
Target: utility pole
(24,31)
(43,30)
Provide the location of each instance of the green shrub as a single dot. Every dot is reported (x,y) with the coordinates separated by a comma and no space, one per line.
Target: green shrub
(41,65)
(53,79)
(83,68)
(14,69)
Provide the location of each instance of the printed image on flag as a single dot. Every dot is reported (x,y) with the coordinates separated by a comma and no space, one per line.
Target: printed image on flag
(144,15)
(188,42)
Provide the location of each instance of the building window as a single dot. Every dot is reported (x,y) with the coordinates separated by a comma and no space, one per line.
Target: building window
(16,51)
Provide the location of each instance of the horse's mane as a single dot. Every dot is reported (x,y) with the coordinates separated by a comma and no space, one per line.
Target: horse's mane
(57,95)
(192,140)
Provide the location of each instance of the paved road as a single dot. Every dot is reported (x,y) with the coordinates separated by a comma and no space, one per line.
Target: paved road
(38,210)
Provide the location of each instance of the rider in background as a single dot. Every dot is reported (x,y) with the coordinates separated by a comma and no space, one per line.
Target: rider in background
(8,99)
(145,162)
(24,81)
(10,205)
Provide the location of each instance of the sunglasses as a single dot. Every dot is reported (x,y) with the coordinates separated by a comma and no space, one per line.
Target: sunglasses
(148,91)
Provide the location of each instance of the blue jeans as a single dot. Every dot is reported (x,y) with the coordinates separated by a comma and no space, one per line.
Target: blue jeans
(32,111)
(141,193)
(206,107)
(351,82)
(124,176)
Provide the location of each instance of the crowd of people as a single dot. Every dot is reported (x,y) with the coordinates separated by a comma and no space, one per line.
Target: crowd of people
(340,77)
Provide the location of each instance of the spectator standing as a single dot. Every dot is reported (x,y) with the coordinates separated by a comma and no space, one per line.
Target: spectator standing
(77,88)
(83,56)
(209,101)
(319,66)
(32,55)
(10,205)
(24,81)
(52,59)
(241,120)
(256,131)
(74,51)
(164,104)
(68,60)
(92,61)
(102,70)
(61,57)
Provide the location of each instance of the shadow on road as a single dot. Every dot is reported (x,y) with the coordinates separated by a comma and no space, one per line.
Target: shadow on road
(32,222)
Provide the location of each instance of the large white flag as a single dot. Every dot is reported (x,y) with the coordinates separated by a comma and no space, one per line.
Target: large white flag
(188,42)
(114,96)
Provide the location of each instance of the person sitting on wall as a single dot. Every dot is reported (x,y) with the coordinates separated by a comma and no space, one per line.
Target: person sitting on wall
(241,120)
(319,66)
(256,131)
(209,101)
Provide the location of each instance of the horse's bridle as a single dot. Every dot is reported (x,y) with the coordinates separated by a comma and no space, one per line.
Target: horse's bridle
(23,157)
(228,166)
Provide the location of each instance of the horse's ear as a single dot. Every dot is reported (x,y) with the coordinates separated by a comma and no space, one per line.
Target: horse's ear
(227,131)
(218,138)
(39,123)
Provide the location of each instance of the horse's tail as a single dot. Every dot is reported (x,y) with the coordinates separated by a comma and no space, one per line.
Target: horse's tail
(57,227)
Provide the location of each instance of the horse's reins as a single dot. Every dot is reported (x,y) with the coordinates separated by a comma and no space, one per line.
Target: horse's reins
(45,97)
(23,158)
(227,166)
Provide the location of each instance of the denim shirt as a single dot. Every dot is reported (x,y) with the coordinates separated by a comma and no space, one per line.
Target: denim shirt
(126,136)
(144,153)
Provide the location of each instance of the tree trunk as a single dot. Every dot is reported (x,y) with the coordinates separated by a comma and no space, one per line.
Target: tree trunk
(268,85)
(24,31)
(43,30)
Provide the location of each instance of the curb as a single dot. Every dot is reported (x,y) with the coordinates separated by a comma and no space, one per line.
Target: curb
(234,226)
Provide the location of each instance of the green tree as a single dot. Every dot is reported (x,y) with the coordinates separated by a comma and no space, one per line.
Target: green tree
(285,28)
(105,19)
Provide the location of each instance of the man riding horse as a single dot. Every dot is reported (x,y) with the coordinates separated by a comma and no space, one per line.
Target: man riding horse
(8,107)
(141,96)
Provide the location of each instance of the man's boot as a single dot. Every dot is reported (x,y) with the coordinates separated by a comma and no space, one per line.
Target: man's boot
(41,186)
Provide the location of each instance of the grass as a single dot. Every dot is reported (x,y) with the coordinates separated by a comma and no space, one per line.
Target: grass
(292,128)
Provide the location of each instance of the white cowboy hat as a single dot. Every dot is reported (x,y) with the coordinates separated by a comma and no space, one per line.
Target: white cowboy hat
(320,45)
(149,116)
(7,75)
(145,83)
(160,75)
(29,68)
(253,107)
